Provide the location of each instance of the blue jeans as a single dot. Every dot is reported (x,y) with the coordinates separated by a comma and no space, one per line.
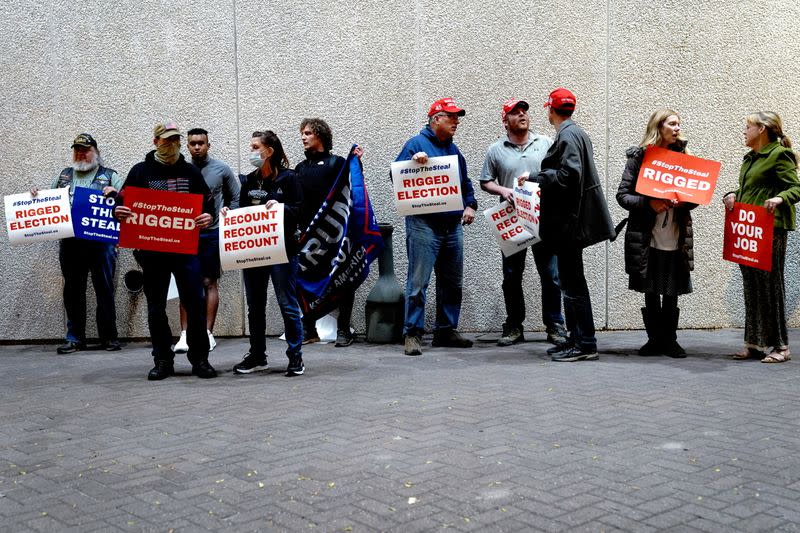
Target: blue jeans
(577,304)
(78,258)
(547,266)
(284,282)
(433,246)
(156,270)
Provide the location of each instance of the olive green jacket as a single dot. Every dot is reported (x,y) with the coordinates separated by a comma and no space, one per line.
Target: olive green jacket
(770,172)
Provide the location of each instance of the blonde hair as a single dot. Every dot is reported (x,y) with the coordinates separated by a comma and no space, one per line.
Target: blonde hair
(772,123)
(652,135)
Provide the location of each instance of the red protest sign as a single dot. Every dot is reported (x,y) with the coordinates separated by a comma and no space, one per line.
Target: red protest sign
(676,176)
(162,221)
(748,236)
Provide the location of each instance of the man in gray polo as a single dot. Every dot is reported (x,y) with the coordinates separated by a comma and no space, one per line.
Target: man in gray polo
(224,186)
(512,155)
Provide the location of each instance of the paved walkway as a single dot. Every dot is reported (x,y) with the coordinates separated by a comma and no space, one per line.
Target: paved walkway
(485,439)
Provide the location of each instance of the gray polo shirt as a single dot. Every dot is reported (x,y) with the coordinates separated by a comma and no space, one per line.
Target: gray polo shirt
(224,186)
(505,161)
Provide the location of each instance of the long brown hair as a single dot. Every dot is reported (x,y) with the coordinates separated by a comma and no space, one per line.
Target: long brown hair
(652,134)
(278,159)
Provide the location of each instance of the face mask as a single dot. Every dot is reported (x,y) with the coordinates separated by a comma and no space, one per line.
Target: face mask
(255,159)
(168,153)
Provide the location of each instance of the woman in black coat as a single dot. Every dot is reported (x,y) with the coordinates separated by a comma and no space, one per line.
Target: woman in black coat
(658,241)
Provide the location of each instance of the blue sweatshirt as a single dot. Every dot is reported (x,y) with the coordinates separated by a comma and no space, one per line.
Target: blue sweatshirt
(427,142)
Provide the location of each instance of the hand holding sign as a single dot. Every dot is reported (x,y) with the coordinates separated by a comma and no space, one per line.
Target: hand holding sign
(526,202)
(427,185)
(45,216)
(748,236)
(252,236)
(677,176)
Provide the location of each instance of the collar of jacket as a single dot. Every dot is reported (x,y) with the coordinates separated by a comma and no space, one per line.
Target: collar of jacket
(427,131)
(752,154)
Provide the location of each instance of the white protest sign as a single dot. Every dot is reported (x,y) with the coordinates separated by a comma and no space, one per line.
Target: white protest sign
(434,187)
(44,217)
(507,229)
(526,202)
(252,237)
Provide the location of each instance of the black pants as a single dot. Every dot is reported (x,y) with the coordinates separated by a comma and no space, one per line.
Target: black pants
(577,304)
(156,270)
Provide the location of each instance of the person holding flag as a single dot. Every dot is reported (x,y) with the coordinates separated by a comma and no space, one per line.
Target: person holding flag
(317,175)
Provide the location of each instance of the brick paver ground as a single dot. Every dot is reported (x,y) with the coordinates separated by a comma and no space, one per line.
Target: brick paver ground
(485,439)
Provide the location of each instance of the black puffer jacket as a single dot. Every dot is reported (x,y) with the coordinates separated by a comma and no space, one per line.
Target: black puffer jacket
(642,218)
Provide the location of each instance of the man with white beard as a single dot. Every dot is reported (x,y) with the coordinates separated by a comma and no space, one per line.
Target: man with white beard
(79,257)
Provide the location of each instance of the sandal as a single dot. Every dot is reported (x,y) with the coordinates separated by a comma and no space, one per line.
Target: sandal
(778,356)
(749,353)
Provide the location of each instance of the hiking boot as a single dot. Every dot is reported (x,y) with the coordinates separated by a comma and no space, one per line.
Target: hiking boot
(343,338)
(251,363)
(203,370)
(450,338)
(310,336)
(413,345)
(111,346)
(181,346)
(557,334)
(575,354)
(296,366)
(161,370)
(511,335)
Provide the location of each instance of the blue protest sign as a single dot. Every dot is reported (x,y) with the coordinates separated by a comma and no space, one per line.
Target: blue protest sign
(93,216)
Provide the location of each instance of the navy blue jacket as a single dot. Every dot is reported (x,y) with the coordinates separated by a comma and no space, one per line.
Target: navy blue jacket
(428,142)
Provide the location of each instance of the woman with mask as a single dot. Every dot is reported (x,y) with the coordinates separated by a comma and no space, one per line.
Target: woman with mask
(658,242)
(768,177)
(273,182)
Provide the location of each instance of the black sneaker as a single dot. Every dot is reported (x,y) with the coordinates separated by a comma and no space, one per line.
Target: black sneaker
(575,354)
(162,370)
(511,335)
(251,363)
(560,347)
(70,347)
(296,366)
(204,370)
(450,338)
(111,346)
(343,339)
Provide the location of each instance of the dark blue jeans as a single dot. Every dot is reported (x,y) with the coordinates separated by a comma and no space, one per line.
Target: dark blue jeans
(78,259)
(547,266)
(577,304)
(433,246)
(156,270)
(284,282)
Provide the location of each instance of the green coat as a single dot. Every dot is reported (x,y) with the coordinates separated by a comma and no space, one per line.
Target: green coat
(770,172)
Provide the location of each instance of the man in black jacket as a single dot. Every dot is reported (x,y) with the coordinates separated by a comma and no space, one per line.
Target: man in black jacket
(317,174)
(574,216)
(165,169)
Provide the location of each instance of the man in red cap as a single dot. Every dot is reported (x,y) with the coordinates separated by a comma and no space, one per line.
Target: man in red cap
(516,153)
(435,241)
(574,216)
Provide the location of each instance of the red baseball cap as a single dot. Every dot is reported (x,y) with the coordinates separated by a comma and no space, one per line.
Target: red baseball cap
(445,105)
(561,99)
(511,103)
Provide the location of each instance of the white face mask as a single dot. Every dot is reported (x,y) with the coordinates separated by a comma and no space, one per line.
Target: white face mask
(255,159)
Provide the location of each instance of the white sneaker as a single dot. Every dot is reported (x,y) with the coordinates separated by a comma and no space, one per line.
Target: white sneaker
(182,346)
(211,342)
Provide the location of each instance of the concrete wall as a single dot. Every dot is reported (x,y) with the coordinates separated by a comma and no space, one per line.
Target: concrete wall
(371,70)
